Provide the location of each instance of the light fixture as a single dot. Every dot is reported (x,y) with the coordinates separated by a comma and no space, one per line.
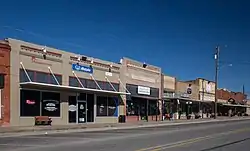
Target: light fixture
(78,59)
(121,60)
(110,66)
(91,62)
(44,52)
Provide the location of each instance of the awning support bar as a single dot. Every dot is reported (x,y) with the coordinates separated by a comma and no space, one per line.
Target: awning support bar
(79,81)
(95,82)
(110,84)
(124,86)
(25,72)
(53,76)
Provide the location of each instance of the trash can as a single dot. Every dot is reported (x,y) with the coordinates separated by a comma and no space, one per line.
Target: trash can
(122,119)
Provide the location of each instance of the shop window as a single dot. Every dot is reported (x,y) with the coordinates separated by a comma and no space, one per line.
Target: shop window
(30,103)
(102,106)
(132,108)
(23,77)
(41,77)
(51,104)
(73,82)
(112,105)
(153,108)
(91,84)
(107,106)
(37,76)
(53,81)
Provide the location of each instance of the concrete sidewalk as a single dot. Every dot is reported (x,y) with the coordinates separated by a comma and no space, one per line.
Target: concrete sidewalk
(107,126)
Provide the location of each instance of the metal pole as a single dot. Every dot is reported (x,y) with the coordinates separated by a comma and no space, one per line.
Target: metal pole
(216,79)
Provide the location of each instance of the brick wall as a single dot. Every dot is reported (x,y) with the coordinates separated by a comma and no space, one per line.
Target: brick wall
(5,68)
(226,95)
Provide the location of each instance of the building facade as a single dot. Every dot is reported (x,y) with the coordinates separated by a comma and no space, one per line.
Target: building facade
(230,102)
(5,81)
(143,81)
(65,86)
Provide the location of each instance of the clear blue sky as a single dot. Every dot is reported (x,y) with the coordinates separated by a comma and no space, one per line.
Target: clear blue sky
(178,35)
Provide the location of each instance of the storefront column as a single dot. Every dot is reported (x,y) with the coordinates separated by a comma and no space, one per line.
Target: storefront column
(147,110)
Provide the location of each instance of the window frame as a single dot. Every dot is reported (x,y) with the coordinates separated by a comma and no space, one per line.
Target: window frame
(107,107)
(40,102)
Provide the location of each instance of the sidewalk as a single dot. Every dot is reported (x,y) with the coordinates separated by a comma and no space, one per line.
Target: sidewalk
(108,126)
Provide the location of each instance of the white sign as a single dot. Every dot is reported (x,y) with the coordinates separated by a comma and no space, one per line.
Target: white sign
(143,90)
(208,88)
(108,74)
(72,108)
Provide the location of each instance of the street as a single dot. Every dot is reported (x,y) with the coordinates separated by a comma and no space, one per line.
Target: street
(228,136)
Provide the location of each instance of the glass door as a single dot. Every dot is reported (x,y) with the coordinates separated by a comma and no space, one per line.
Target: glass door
(82,111)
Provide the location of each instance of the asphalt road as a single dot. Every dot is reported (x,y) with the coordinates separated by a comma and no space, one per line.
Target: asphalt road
(228,136)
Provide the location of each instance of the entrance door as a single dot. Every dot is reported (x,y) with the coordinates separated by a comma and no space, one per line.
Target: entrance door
(82,111)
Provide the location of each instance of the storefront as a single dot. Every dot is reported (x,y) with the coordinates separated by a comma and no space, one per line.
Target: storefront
(69,88)
(143,102)
(143,82)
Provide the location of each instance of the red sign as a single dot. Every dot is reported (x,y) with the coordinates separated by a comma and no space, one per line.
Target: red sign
(30,102)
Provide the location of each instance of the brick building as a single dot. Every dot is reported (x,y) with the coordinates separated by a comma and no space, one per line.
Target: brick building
(5,92)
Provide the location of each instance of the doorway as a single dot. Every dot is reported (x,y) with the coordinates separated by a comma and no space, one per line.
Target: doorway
(81,108)
(81,111)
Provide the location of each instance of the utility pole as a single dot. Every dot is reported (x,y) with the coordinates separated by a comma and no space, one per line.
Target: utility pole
(216,57)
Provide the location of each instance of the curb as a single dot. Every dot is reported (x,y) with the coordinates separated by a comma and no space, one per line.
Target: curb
(110,127)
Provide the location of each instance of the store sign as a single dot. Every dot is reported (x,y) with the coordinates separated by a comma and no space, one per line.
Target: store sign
(108,74)
(30,102)
(72,108)
(50,105)
(143,90)
(81,68)
(189,90)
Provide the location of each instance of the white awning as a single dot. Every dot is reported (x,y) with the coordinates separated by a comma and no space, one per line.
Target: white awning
(70,88)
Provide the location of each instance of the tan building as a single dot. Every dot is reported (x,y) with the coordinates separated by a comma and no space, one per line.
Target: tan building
(206,89)
(143,81)
(169,84)
(62,85)
(187,90)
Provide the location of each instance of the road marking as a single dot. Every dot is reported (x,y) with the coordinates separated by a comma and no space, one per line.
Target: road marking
(191,141)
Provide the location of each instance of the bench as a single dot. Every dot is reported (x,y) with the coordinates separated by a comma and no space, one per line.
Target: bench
(42,120)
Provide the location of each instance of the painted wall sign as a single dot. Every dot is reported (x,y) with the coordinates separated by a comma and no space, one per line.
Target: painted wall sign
(189,90)
(81,68)
(143,90)
(50,105)
(72,108)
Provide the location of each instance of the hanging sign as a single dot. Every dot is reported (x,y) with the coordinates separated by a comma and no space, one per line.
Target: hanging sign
(81,68)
